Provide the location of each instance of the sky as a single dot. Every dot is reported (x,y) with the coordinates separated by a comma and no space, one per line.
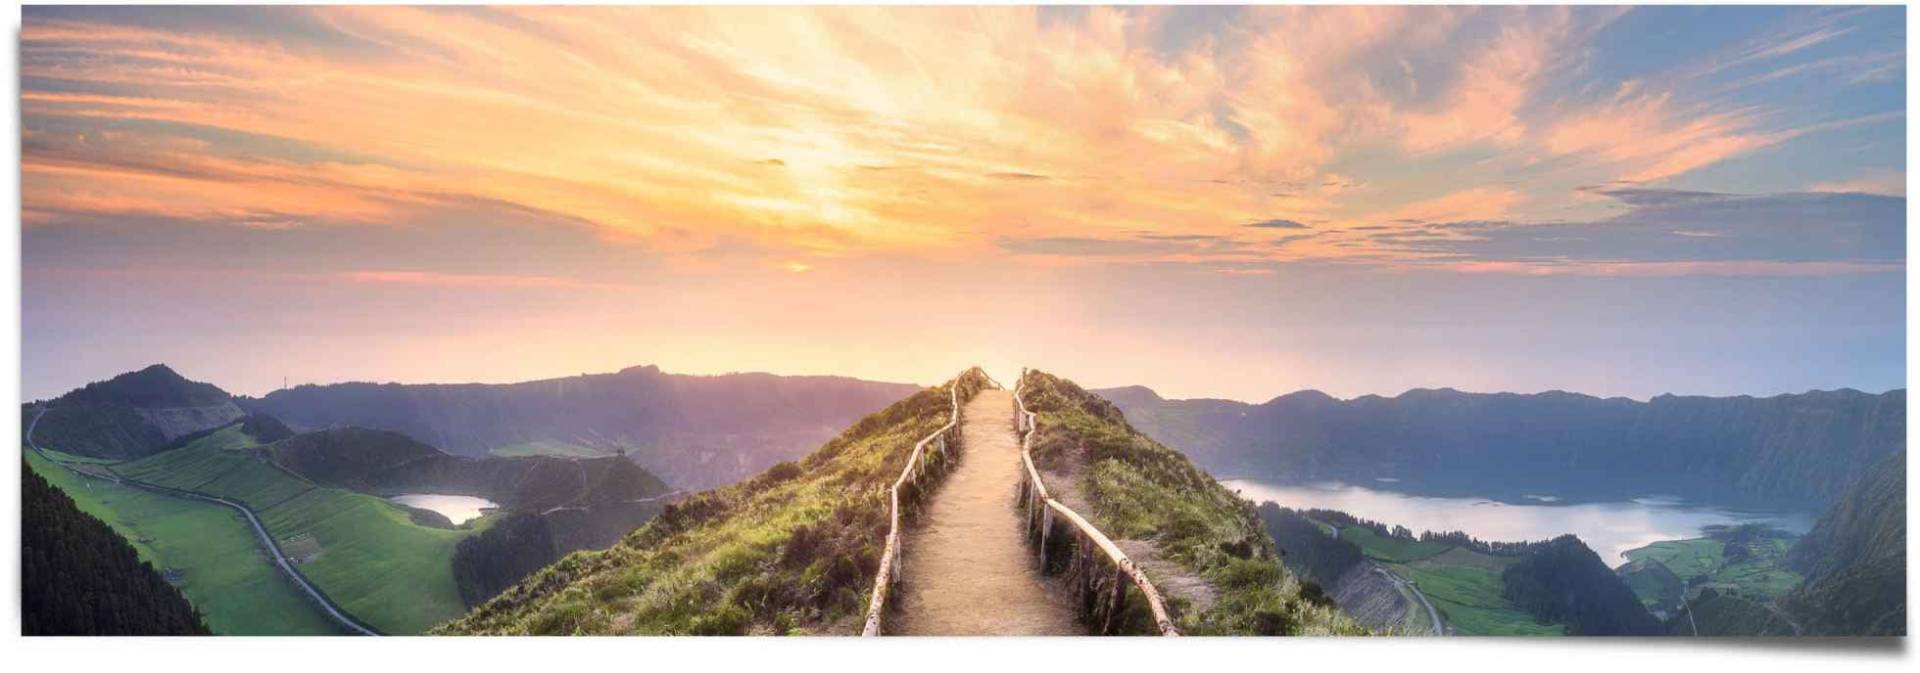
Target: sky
(1214,202)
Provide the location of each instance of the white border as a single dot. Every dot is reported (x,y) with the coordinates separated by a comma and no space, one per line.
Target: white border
(690,655)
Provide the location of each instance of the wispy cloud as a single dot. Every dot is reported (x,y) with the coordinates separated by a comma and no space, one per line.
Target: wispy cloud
(814,133)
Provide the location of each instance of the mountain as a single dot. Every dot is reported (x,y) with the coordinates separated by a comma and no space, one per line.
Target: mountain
(694,431)
(131,415)
(1563,581)
(1784,451)
(792,550)
(1855,559)
(1201,543)
(79,578)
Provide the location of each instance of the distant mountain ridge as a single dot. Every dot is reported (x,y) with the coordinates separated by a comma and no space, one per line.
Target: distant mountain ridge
(1796,450)
(693,431)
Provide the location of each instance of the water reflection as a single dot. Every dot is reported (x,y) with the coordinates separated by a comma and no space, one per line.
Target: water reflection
(1610,528)
(457,508)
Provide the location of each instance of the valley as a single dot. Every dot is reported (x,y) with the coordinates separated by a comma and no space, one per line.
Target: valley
(347,554)
(374,527)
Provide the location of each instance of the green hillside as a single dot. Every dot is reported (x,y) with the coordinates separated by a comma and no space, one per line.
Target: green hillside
(79,578)
(792,550)
(1138,489)
(362,551)
(209,549)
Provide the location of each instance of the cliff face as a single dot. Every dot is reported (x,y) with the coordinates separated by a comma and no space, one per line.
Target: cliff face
(694,431)
(1787,450)
(1855,559)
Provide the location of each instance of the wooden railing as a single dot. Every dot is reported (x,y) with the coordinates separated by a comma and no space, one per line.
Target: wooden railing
(1095,568)
(931,458)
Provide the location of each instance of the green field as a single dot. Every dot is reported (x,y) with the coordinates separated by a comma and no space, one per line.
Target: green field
(362,551)
(372,560)
(1686,558)
(550,448)
(1469,597)
(1703,563)
(1391,549)
(212,551)
(1464,585)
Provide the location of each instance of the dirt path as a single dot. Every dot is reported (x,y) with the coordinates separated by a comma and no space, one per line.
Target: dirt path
(968,569)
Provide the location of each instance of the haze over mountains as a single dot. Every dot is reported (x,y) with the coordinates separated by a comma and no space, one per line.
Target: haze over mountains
(1788,450)
(694,431)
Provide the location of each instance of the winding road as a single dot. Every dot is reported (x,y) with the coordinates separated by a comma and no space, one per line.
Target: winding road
(266,539)
(1439,625)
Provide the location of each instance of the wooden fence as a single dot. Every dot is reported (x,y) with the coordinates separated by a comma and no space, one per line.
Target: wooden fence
(1095,569)
(932,457)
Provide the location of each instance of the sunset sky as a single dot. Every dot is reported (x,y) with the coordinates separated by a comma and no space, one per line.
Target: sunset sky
(1212,202)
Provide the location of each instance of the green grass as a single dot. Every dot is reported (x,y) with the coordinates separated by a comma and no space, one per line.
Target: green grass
(1703,562)
(1140,489)
(1656,586)
(1391,549)
(1463,584)
(1470,599)
(222,568)
(373,561)
(361,550)
(1764,574)
(76,459)
(793,550)
(551,448)
(1686,558)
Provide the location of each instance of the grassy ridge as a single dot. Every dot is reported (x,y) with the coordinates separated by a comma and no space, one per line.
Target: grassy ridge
(364,552)
(1140,489)
(213,553)
(1464,585)
(792,550)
